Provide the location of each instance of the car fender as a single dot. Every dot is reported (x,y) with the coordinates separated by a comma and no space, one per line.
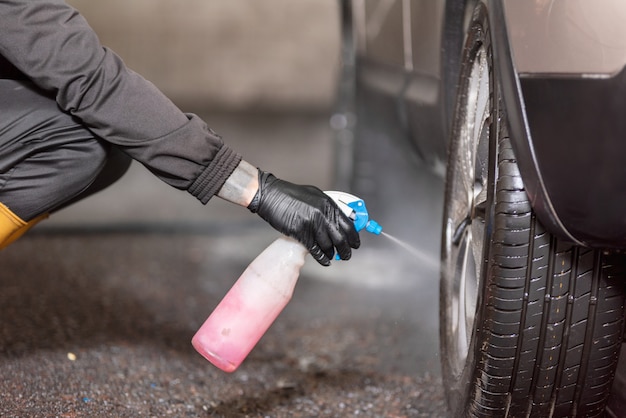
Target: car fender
(566,127)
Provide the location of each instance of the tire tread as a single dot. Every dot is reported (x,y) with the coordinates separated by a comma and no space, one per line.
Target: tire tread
(554,315)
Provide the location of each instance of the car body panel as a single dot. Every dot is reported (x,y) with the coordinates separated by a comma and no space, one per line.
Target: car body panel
(404,34)
(566,121)
(398,47)
(561,66)
(577,37)
(378,28)
(579,146)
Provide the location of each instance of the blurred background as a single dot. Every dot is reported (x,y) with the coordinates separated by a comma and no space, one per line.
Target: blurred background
(261,74)
(227,54)
(264,75)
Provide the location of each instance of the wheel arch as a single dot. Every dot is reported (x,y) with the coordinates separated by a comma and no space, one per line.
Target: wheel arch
(512,96)
(566,131)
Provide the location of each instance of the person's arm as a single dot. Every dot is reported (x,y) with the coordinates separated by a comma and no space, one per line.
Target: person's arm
(241,186)
(53,45)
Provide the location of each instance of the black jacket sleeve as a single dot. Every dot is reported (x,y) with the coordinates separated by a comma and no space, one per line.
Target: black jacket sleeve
(53,45)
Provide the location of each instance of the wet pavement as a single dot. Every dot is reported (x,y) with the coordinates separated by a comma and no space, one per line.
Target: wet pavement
(98,305)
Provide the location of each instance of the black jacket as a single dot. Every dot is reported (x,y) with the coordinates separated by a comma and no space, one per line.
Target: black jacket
(52,45)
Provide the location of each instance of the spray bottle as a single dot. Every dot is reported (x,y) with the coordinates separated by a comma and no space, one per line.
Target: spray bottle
(262,292)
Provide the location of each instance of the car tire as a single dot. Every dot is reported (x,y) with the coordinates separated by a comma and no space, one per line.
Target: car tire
(530,325)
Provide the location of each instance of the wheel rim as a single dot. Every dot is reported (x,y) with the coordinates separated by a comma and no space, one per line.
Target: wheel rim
(465,220)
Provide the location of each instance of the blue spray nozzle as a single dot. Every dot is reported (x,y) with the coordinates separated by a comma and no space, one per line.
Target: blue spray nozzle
(373,227)
(361,218)
(355,209)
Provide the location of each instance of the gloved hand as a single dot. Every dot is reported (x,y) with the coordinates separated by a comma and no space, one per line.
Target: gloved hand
(306,214)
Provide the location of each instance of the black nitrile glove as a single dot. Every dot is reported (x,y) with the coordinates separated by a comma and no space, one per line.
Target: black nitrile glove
(306,214)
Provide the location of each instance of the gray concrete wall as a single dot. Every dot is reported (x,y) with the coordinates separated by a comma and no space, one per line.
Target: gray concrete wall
(228,54)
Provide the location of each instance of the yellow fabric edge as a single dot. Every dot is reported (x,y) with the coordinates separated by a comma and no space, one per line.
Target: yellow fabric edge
(9,218)
(13,227)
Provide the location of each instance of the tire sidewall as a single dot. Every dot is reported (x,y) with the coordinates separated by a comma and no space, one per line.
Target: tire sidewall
(457,386)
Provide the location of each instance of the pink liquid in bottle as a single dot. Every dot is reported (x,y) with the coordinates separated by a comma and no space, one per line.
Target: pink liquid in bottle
(251,305)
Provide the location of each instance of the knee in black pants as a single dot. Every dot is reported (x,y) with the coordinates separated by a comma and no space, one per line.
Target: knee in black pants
(48,159)
(114,166)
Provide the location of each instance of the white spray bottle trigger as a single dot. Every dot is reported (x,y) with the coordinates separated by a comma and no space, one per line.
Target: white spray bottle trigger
(354,208)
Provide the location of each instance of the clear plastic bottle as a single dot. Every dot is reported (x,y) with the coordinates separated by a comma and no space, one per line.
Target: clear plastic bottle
(251,305)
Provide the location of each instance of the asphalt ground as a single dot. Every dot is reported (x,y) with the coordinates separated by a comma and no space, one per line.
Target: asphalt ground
(98,304)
